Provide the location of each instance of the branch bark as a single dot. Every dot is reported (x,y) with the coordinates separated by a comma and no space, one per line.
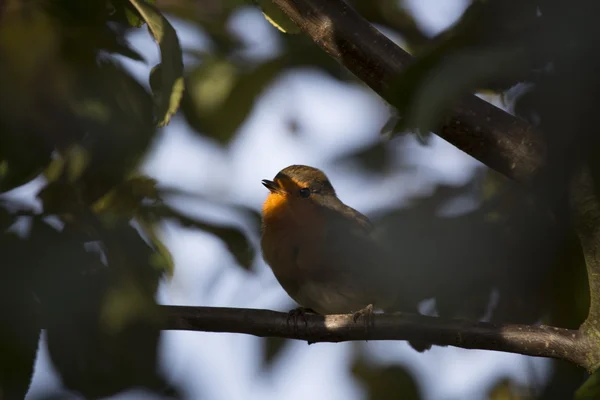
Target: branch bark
(540,341)
(501,141)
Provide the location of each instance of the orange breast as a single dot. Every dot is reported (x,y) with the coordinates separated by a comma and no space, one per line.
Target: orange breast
(280,240)
(275,209)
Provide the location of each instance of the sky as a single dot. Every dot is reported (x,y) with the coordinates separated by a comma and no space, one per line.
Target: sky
(339,117)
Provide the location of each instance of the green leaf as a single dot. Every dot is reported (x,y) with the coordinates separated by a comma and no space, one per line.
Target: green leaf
(277,18)
(590,390)
(219,97)
(506,389)
(133,18)
(71,164)
(127,197)
(162,259)
(171,66)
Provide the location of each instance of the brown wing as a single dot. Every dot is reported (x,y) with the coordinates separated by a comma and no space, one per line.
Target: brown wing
(359,265)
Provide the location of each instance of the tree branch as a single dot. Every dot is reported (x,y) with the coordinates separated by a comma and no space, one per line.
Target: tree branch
(540,341)
(501,141)
(586,209)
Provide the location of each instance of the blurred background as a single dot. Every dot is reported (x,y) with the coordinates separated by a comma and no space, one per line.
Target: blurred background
(91,187)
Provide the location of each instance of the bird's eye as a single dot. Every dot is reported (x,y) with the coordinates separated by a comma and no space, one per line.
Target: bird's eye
(304,192)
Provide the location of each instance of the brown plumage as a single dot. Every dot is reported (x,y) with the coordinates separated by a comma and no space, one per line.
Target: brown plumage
(320,250)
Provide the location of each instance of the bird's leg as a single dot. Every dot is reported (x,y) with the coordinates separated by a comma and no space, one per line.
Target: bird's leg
(299,312)
(367,314)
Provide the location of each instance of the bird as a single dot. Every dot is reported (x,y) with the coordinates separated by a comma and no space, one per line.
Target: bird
(321,251)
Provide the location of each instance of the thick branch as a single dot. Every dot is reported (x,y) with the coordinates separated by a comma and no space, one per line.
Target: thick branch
(586,207)
(501,141)
(541,341)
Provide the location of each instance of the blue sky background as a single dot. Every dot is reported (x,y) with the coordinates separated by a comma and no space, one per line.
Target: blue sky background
(334,118)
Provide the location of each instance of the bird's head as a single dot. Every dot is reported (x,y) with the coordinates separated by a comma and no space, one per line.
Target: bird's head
(299,188)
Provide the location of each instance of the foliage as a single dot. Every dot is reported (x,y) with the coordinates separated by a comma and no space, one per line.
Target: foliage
(76,124)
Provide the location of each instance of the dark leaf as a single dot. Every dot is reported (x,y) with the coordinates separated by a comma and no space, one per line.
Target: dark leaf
(236,241)
(374,158)
(171,84)
(19,319)
(102,320)
(273,346)
(116,112)
(127,197)
(17,170)
(125,50)
(386,382)
(428,89)
(393,14)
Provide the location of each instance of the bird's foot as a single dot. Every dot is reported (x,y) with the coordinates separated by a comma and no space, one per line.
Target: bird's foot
(299,312)
(367,314)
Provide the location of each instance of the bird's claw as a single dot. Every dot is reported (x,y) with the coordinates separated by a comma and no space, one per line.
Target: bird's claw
(367,314)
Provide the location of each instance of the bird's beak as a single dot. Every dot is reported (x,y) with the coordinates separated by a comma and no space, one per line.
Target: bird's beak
(272,186)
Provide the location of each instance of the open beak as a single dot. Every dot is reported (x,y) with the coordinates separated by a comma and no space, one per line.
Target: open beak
(272,186)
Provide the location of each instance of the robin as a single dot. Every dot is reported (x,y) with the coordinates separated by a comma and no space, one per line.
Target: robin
(322,251)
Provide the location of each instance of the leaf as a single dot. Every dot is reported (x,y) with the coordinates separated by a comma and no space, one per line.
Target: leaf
(428,89)
(394,126)
(125,50)
(374,158)
(102,320)
(220,98)
(236,242)
(19,319)
(71,164)
(506,389)
(162,259)
(117,115)
(127,197)
(21,165)
(386,382)
(277,17)
(234,239)
(590,390)
(273,346)
(171,66)
(60,198)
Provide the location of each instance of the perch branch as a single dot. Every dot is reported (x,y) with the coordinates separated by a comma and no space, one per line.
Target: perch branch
(540,341)
(501,141)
